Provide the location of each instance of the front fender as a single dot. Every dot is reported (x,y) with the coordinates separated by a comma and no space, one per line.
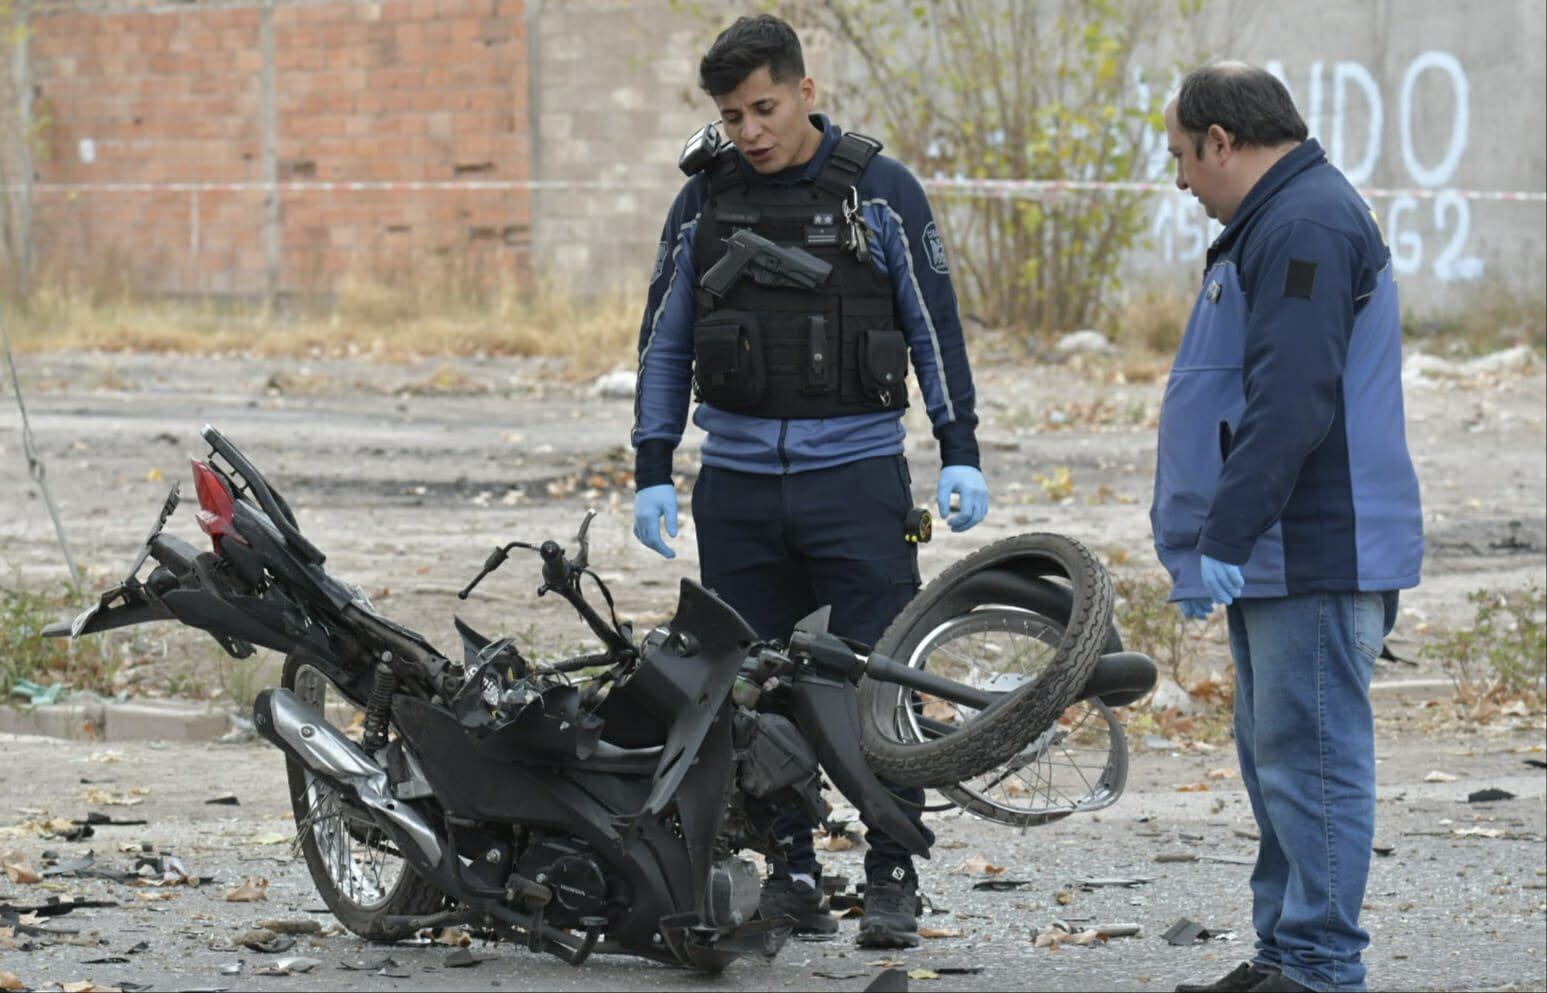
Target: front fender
(827,713)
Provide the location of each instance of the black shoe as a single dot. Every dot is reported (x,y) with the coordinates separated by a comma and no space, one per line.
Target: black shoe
(1241,979)
(806,904)
(889,920)
(1277,982)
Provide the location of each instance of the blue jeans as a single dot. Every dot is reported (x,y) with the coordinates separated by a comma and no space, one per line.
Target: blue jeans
(1305,734)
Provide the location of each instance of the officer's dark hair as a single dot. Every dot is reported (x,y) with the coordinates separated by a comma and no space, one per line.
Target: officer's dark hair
(747,46)
(1249,103)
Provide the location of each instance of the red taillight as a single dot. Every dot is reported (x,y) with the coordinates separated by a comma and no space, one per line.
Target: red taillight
(216,511)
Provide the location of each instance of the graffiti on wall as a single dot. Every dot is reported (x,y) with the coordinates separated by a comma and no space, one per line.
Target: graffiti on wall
(1347,110)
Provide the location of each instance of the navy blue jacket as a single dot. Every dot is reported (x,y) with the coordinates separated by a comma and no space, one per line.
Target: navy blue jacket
(905,244)
(1283,446)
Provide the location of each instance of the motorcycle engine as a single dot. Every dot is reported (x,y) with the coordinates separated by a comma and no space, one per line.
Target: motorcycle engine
(571,870)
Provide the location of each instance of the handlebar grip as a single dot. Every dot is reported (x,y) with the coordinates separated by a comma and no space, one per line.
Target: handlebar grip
(556,568)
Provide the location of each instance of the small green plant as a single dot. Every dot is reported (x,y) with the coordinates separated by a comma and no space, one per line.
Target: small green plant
(1157,628)
(27,657)
(1504,652)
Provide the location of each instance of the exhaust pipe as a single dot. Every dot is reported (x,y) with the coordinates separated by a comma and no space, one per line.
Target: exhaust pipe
(299,731)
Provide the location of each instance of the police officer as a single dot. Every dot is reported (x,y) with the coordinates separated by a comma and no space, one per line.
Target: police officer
(1284,491)
(804,488)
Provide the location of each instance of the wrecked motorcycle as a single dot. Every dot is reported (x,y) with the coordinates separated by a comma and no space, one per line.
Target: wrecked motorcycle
(600,804)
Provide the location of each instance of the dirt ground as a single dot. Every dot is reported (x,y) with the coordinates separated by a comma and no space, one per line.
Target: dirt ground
(406,476)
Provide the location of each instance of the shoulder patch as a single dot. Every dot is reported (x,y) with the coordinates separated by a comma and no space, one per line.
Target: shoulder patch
(934,248)
(660,260)
(1300,279)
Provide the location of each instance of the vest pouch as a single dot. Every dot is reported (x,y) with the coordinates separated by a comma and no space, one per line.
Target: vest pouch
(883,366)
(728,369)
(819,357)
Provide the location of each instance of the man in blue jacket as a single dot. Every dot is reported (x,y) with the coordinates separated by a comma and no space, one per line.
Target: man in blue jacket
(804,489)
(1284,491)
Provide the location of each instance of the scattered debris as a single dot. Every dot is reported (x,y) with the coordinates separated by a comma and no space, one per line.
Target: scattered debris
(890,981)
(225,799)
(1001,885)
(1176,857)
(265,941)
(1490,795)
(1436,776)
(1185,932)
(464,958)
(287,967)
(1192,788)
(1383,848)
(253,889)
(1053,937)
(1108,881)
(1228,859)
(98,819)
(935,932)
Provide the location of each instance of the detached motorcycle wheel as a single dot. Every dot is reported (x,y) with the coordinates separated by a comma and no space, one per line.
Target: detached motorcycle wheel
(357,870)
(1008,573)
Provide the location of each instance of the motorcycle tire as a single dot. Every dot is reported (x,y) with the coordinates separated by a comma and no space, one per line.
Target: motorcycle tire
(1006,573)
(407,896)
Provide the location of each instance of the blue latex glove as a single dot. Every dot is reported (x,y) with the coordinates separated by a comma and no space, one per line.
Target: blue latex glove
(650,505)
(1223,580)
(972,492)
(1197,608)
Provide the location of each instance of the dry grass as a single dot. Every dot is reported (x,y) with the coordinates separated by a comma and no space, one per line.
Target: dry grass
(441,314)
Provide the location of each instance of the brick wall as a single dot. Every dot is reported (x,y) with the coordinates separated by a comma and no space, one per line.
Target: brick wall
(395,90)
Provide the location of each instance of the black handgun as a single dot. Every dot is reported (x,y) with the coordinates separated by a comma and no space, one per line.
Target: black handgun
(750,254)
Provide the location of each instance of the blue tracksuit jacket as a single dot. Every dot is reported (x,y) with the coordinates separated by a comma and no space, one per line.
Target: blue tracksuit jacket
(1282,441)
(905,244)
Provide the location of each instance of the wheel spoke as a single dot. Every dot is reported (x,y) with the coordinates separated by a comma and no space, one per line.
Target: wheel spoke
(1079,762)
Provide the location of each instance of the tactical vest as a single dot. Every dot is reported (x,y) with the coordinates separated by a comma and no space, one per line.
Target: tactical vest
(780,352)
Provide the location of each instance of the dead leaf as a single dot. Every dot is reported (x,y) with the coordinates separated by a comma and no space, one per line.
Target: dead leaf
(87,986)
(8,981)
(977,865)
(454,936)
(1220,773)
(18,869)
(1478,832)
(1192,788)
(154,896)
(937,709)
(838,843)
(253,889)
(1064,898)
(939,932)
(923,974)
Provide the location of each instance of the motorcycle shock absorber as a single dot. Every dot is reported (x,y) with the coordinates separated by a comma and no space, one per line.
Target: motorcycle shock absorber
(379,709)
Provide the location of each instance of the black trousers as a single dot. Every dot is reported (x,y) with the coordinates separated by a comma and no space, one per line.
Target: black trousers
(778,547)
